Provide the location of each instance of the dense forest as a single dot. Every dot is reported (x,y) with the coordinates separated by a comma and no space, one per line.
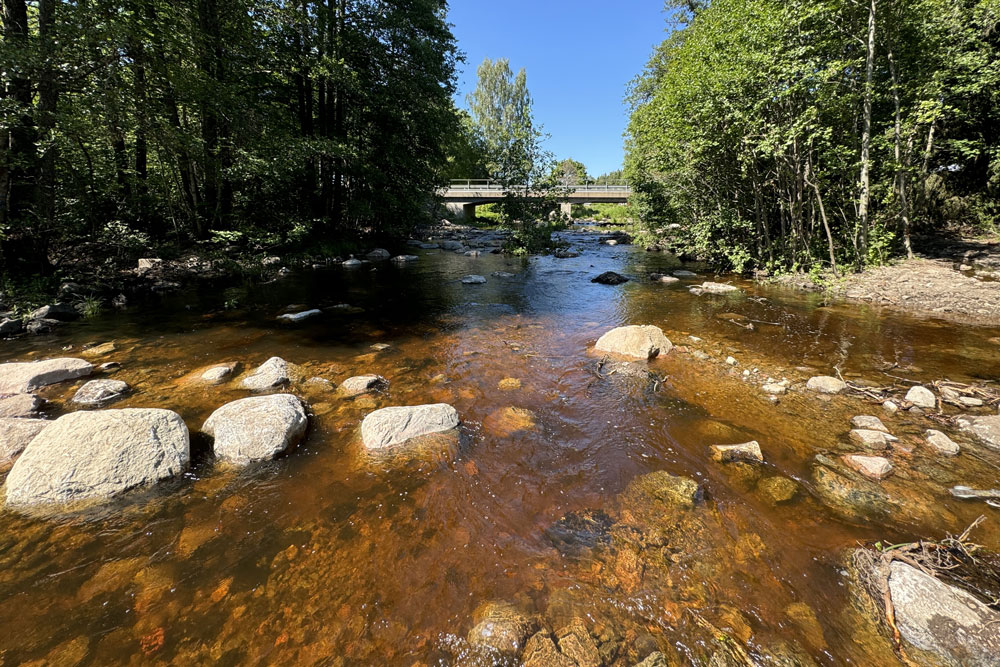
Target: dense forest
(133,124)
(817,134)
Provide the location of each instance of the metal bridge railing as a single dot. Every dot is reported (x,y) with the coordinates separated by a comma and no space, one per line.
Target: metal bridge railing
(480,185)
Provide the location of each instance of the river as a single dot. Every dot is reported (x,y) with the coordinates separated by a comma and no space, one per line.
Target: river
(330,557)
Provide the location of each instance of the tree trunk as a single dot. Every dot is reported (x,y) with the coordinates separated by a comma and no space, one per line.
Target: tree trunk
(900,180)
(866,136)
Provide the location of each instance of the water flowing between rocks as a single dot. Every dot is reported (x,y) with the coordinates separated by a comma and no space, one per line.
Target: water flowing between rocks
(330,556)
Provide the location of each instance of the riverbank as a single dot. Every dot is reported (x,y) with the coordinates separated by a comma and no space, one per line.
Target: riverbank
(958,281)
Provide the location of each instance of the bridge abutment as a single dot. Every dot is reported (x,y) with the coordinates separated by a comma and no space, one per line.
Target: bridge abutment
(462,210)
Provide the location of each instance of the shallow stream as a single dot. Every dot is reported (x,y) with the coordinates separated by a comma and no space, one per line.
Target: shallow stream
(328,556)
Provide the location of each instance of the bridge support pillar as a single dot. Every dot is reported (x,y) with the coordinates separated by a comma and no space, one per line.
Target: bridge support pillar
(566,209)
(462,211)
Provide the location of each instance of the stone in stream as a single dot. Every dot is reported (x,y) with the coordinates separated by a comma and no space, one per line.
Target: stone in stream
(98,454)
(62,312)
(890,407)
(662,492)
(941,443)
(576,644)
(986,429)
(502,274)
(20,405)
(872,467)
(451,245)
(362,384)
(272,373)
(869,423)
(99,350)
(873,440)
(719,288)
(944,620)
(473,280)
(775,389)
(404,259)
(379,254)
(352,263)
(826,384)
(848,493)
(97,392)
(258,428)
(541,651)
(748,452)
(922,397)
(577,532)
(299,317)
(610,278)
(681,273)
(501,627)
(639,341)
(778,489)
(219,374)
(654,659)
(389,427)
(660,278)
(11,327)
(25,377)
(16,433)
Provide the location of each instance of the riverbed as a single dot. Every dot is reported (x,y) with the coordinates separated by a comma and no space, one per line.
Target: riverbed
(330,556)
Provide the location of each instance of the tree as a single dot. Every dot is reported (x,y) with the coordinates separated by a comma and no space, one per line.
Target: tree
(569,172)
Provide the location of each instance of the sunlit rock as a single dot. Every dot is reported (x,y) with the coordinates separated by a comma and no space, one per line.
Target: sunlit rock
(272,373)
(220,373)
(362,384)
(943,620)
(15,434)
(922,397)
(23,377)
(719,288)
(639,341)
(869,423)
(257,428)
(876,441)
(98,392)
(872,467)
(99,350)
(662,492)
(941,443)
(301,316)
(98,454)
(986,429)
(826,384)
(20,405)
(777,490)
(393,426)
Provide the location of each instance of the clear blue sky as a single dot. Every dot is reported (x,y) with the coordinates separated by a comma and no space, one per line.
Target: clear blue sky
(579,56)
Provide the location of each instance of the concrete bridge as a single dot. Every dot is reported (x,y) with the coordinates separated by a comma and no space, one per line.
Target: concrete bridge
(462,197)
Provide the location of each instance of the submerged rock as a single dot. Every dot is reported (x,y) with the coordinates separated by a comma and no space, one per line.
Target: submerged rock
(986,429)
(662,492)
(393,426)
(873,440)
(473,280)
(719,288)
(578,531)
(868,423)
(272,373)
(501,627)
(922,397)
(100,350)
(362,384)
(541,651)
(681,273)
(610,278)
(24,377)
(748,452)
(258,428)
(826,384)
(941,443)
(15,434)
(943,620)
(98,454)
(299,317)
(639,341)
(778,489)
(219,374)
(97,392)
(846,492)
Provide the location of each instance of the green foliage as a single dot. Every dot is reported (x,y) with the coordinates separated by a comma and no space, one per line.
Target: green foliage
(568,172)
(747,128)
(618,214)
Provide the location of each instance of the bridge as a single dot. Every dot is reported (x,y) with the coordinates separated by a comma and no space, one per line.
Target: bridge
(463,196)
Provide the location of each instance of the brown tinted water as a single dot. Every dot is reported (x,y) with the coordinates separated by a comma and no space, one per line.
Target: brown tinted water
(328,556)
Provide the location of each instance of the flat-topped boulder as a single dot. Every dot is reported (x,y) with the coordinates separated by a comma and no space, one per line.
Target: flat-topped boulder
(944,620)
(98,392)
(393,426)
(474,280)
(719,288)
(748,452)
(362,384)
(869,439)
(922,397)
(638,341)
(272,373)
(869,423)
(94,455)
(985,429)
(258,428)
(16,433)
(826,384)
(25,377)
(872,467)
(941,443)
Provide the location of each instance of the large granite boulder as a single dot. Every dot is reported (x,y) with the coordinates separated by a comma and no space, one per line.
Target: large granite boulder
(639,341)
(272,373)
(15,434)
(24,377)
(20,405)
(257,428)
(393,426)
(943,620)
(99,454)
